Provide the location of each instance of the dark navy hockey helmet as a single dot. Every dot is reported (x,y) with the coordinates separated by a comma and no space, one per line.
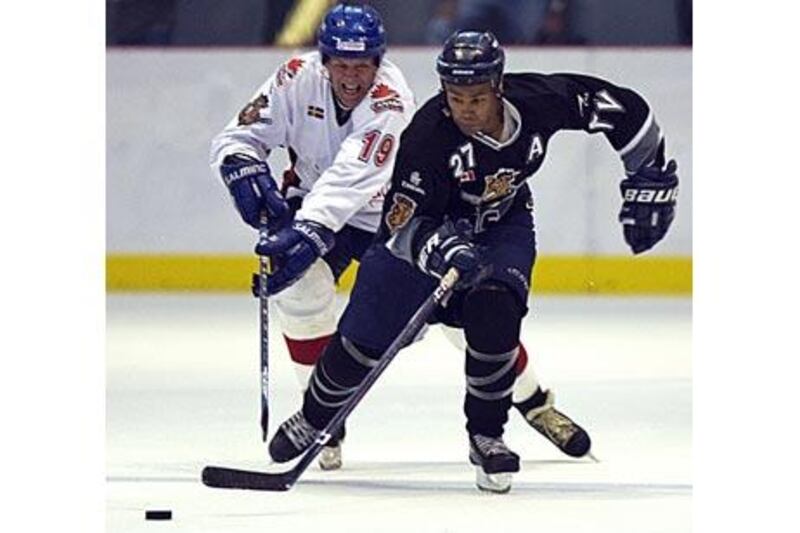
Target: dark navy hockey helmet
(471,57)
(352,31)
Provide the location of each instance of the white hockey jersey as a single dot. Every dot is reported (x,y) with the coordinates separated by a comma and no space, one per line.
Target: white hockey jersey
(344,169)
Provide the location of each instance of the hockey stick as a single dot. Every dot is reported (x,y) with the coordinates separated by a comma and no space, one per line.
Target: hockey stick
(263,304)
(229,478)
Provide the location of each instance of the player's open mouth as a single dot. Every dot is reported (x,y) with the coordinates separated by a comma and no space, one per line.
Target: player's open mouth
(351,89)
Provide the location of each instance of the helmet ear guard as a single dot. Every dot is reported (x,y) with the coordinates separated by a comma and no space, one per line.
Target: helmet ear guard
(471,58)
(352,32)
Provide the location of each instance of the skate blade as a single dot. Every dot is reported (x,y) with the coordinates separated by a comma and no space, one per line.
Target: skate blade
(498,483)
(330,458)
(593,457)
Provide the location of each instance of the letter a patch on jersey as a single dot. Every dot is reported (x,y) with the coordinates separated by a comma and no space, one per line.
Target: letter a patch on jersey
(401,212)
(537,149)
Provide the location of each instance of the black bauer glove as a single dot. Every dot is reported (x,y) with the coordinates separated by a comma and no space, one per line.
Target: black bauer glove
(648,205)
(450,246)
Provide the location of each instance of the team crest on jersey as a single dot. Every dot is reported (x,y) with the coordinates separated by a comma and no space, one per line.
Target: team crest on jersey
(386,99)
(252,111)
(401,212)
(289,70)
(499,184)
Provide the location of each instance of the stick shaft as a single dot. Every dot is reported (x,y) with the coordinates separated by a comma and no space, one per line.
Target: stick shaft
(263,304)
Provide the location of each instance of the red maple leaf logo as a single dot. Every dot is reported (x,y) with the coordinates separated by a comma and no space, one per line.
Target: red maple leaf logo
(294,65)
(383,91)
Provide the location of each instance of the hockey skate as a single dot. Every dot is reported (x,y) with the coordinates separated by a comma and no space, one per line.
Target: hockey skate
(296,435)
(293,437)
(557,427)
(494,463)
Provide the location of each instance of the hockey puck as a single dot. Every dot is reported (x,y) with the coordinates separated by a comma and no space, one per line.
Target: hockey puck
(158,515)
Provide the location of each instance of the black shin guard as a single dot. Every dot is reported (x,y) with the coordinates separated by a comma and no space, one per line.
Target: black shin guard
(336,376)
(492,319)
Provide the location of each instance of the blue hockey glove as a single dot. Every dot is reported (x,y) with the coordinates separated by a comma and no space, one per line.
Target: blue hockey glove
(648,205)
(450,246)
(253,190)
(293,250)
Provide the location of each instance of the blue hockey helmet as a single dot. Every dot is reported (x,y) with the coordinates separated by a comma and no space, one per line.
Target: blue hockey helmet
(471,57)
(352,31)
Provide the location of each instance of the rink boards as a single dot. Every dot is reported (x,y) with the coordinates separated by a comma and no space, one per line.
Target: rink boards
(171,225)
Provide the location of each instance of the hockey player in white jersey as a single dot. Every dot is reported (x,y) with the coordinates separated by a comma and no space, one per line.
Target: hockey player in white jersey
(339,111)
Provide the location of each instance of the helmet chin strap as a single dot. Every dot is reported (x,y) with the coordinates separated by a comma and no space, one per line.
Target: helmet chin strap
(498,90)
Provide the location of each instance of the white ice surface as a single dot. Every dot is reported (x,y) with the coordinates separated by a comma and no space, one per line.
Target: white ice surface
(182,392)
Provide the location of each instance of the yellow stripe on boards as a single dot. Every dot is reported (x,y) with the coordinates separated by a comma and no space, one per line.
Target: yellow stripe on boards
(179,272)
(613,275)
(646,275)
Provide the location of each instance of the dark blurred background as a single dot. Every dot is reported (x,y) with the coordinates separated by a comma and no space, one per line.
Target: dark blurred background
(292,23)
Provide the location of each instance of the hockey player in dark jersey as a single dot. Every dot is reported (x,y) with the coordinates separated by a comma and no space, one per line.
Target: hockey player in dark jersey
(460,198)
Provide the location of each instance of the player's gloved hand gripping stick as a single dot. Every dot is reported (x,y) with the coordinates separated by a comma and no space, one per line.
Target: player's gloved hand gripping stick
(221,477)
(450,245)
(293,249)
(253,190)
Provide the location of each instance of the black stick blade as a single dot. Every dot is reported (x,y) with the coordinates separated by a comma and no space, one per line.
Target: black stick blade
(231,478)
